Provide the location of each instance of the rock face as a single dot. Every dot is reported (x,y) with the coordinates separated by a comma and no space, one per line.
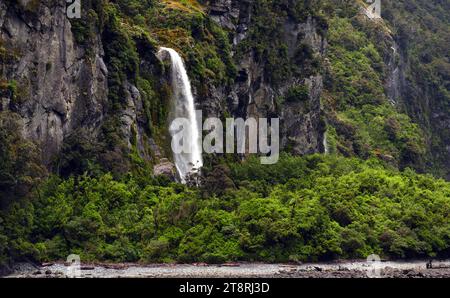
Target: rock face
(253,95)
(61,87)
(58,89)
(165,168)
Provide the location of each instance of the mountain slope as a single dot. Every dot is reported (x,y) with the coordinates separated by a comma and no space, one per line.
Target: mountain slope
(103,82)
(84,107)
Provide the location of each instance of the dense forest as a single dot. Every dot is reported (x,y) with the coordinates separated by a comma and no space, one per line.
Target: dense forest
(302,209)
(365,110)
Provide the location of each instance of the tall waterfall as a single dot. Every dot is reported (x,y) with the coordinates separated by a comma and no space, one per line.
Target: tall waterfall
(183,107)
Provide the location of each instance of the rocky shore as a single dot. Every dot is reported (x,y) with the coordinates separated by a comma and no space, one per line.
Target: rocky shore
(356,269)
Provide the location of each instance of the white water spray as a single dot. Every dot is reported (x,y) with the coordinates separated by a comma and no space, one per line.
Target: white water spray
(325,144)
(183,107)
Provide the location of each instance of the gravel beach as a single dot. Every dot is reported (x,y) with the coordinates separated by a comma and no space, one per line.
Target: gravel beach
(355,269)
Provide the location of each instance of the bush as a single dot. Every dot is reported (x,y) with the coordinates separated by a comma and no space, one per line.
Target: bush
(297,94)
(313,208)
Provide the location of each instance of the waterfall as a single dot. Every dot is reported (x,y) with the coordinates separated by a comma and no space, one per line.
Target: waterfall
(325,144)
(183,106)
(393,82)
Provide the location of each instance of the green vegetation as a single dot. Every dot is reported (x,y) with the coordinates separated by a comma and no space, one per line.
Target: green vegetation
(20,176)
(131,32)
(365,197)
(364,122)
(21,170)
(267,44)
(297,94)
(360,51)
(423,34)
(311,208)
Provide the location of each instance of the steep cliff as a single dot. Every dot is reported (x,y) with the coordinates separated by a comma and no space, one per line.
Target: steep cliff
(422,34)
(85,157)
(78,82)
(91,91)
(57,89)
(278,58)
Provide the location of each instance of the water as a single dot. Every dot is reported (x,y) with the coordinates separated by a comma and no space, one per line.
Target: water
(394,77)
(183,106)
(326,151)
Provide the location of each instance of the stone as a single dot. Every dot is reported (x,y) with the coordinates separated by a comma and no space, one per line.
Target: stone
(165,168)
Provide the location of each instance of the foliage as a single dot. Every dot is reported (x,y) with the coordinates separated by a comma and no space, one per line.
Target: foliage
(310,208)
(20,166)
(364,122)
(423,33)
(105,205)
(266,44)
(297,94)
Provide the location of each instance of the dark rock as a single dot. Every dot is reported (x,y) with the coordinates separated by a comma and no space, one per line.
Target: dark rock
(60,89)
(87,268)
(252,95)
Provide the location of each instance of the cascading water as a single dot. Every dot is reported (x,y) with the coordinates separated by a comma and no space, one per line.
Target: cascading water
(183,107)
(325,144)
(394,77)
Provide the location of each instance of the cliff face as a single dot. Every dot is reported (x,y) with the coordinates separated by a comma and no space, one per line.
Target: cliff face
(98,79)
(62,88)
(422,33)
(255,94)
(57,89)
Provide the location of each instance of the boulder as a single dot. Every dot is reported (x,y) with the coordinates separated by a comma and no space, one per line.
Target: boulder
(165,168)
